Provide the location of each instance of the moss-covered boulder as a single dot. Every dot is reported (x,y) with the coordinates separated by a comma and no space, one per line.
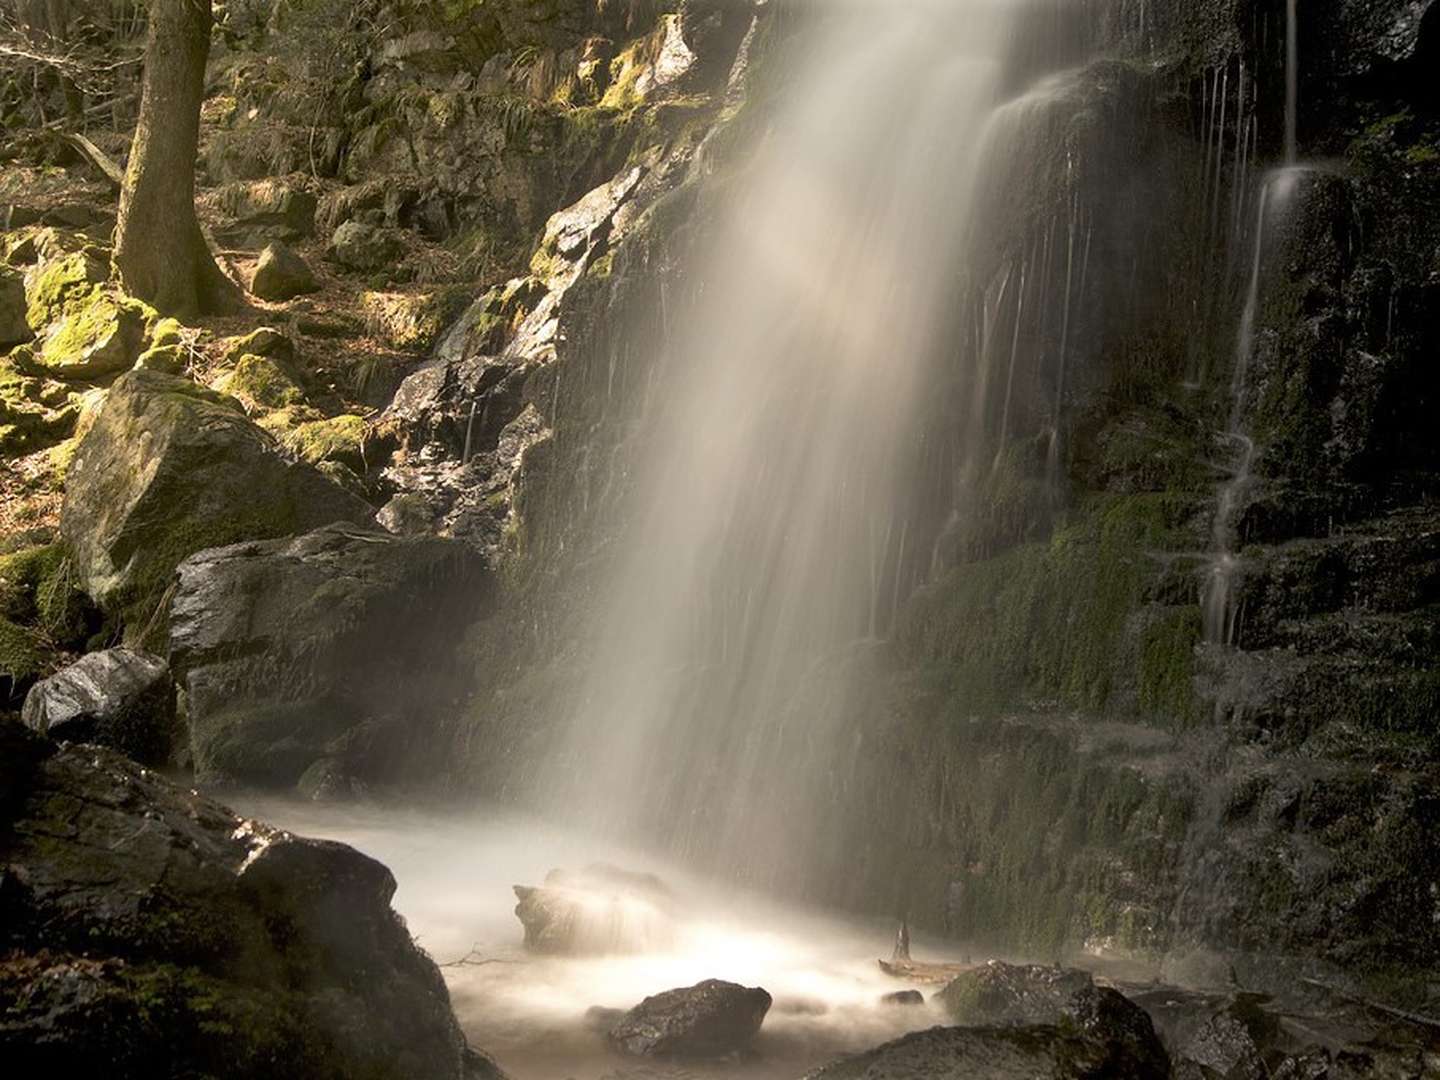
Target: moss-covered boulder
(301,652)
(54,283)
(336,438)
(169,468)
(34,412)
(260,383)
(147,931)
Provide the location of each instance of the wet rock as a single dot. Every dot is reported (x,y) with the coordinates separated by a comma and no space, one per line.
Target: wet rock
(1236,1041)
(992,1054)
(903,997)
(169,468)
(599,910)
(119,698)
(14,330)
(281,274)
(710,1019)
(150,932)
(1009,995)
(602,1019)
(298,656)
(358,246)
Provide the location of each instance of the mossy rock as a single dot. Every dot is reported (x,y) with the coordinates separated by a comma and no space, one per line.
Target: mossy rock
(38,588)
(169,359)
(24,657)
(53,285)
(338,438)
(411,322)
(34,412)
(14,325)
(97,335)
(260,383)
(265,341)
(170,468)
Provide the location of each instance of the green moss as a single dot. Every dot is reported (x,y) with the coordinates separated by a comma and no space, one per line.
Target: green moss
(22,654)
(339,438)
(260,383)
(64,281)
(101,333)
(39,589)
(167,333)
(1167,666)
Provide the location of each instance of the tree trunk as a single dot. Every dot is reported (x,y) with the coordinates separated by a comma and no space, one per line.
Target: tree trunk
(159,249)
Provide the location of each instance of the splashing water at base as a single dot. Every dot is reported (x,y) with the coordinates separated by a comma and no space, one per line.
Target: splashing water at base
(455,875)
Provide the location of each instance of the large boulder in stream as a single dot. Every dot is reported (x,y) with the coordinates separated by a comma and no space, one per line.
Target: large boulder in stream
(708,1020)
(599,910)
(1010,995)
(325,657)
(120,698)
(169,468)
(149,932)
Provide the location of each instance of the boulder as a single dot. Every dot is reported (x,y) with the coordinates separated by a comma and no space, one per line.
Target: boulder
(148,931)
(358,246)
(14,329)
(169,468)
(599,910)
(1239,1041)
(708,1020)
(903,997)
(95,336)
(305,650)
(281,274)
(957,1053)
(267,210)
(119,698)
(1009,995)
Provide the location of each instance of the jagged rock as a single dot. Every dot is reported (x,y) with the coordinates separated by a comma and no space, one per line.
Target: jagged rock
(267,210)
(358,246)
(1236,1041)
(150,932)
(992,1054)
(281,274)
(601,910)
(14,330)
(297,651)
(710,1019)
(119,698)
(169,468)
(1008,995)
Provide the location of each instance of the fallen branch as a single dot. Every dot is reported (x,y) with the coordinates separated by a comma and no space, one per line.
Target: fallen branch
(1389,1010)
(97,157)
(474,959)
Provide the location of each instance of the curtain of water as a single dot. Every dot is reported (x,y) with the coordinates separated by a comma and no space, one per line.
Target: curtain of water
(776,524)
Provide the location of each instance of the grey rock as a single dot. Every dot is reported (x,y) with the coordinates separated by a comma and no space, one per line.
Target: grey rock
(708,1020)
(298,656)
(358,246)
(14,330)
(151,932)
(281,274)
(118,698)
(169,468)
(267,210)
(601,909)
(903,997)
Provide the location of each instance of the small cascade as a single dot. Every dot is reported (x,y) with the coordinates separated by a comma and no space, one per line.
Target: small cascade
(1292,79)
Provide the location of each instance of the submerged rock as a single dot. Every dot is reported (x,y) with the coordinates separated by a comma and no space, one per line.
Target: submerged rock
(118,698)
(601,909)
(148,931)
(306,650)
(169,468)
(707,1020)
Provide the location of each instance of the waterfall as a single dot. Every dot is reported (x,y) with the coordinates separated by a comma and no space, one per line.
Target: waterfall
(776,525)
(1292,79)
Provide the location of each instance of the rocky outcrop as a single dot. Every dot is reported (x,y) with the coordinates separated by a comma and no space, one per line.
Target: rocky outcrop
(169,468)
(708,1020)
(118,698)
(302,654)
(148,931)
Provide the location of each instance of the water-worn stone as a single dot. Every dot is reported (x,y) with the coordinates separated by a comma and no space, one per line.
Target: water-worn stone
(281,274)
(991,1054)
(119,698)
(148,931)
(1008,995)
(710,1019)
(601,909)
(297,651)
(358,246)
(169,468)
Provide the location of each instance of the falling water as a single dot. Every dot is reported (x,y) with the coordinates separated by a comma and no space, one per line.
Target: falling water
(1292,79)
(776,523)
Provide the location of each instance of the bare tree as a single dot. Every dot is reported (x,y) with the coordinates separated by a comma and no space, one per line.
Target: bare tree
(160,251)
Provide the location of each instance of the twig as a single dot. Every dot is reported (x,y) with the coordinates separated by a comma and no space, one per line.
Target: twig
(474,959)
(1390,1010)
(97,157)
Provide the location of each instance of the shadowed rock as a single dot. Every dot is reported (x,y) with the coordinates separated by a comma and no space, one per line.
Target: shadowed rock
(707,1020)
(147,931)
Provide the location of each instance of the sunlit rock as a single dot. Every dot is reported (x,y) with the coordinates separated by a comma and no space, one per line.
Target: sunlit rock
(599,910)
(118,698)
(281,274)
(708,1020)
